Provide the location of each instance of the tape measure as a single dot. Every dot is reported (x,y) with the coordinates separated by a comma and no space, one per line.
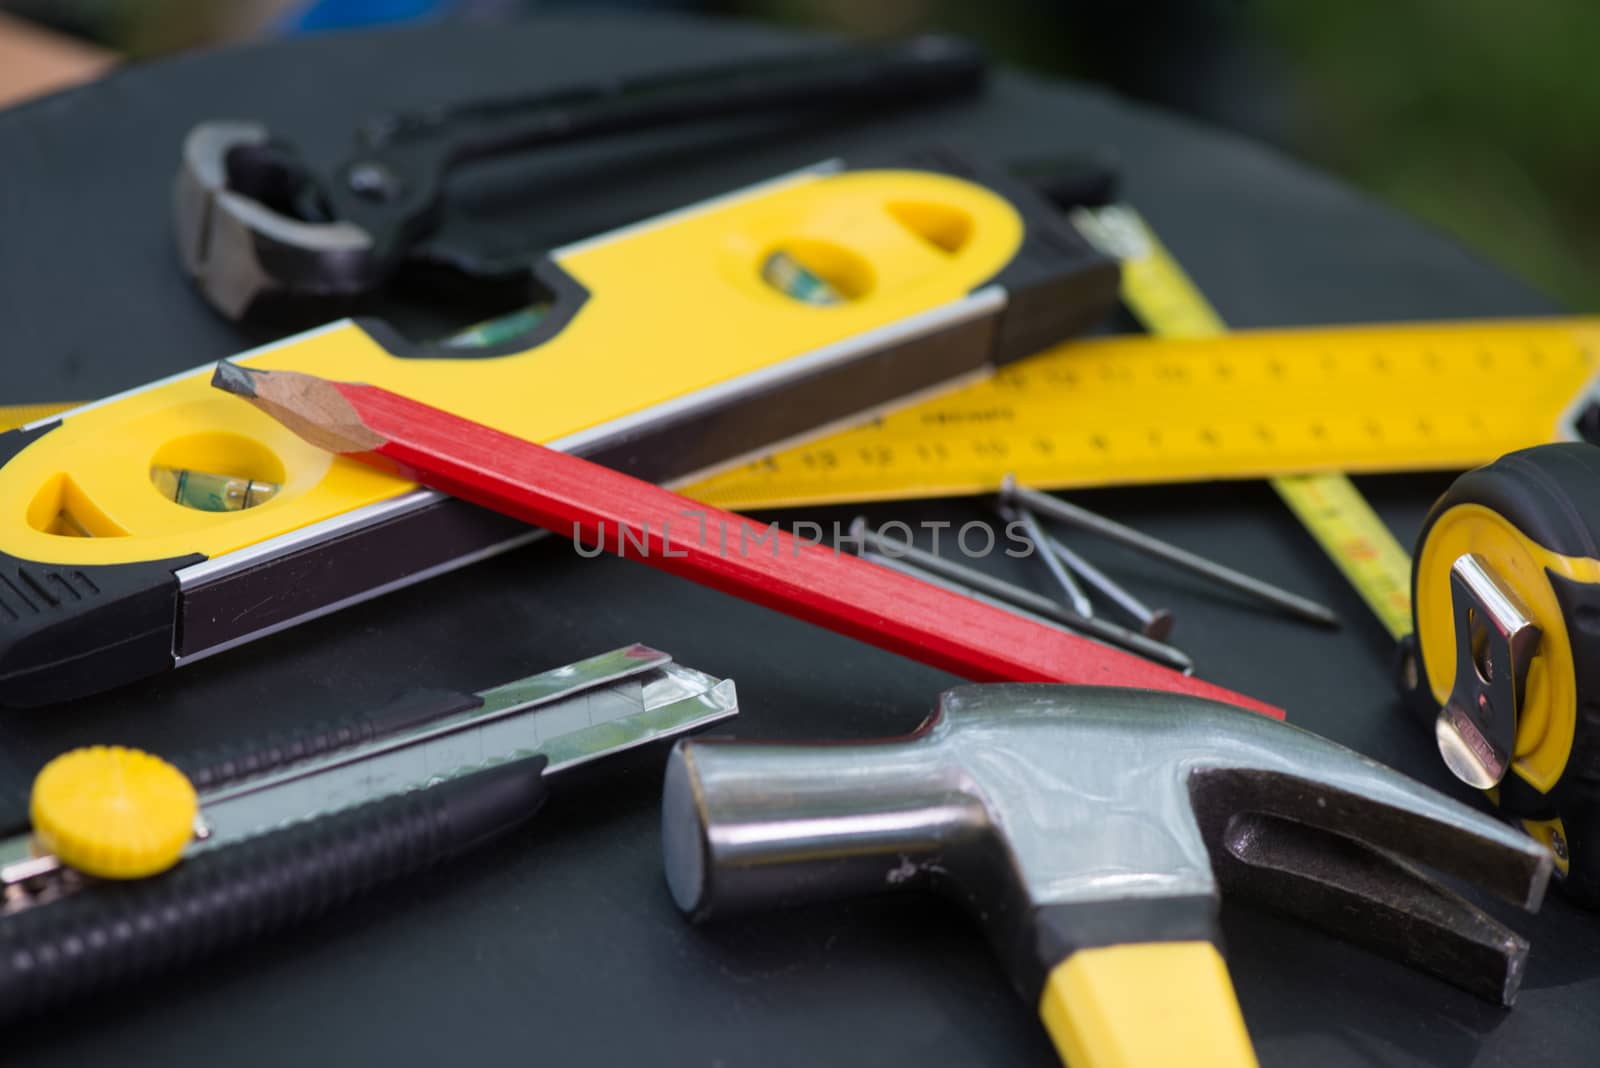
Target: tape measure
(1507,597)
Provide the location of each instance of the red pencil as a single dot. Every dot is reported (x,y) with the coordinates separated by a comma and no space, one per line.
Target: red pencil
(595,506)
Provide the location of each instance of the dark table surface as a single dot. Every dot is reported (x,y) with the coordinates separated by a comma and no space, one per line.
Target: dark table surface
(561,945)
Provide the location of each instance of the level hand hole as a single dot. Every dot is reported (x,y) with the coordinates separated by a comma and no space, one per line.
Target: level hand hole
(63,509)
(216,472)
(945,228)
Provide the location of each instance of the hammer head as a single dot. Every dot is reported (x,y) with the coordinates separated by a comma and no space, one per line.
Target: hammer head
(1120,808)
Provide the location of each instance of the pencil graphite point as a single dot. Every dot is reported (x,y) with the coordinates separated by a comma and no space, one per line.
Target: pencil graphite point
(310,406)
(231,378)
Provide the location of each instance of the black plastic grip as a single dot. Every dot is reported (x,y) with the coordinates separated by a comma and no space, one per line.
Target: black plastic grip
(1551,493)
(115,932)
(1058,931)
(1577,792)
(211,768)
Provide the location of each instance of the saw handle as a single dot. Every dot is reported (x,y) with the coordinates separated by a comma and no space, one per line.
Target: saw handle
(1152,1004)
(117,932)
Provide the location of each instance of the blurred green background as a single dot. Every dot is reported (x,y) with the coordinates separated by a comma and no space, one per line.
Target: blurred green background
(1474,115)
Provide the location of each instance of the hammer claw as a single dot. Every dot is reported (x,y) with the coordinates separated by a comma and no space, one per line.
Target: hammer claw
(1366,896)
(1261,818)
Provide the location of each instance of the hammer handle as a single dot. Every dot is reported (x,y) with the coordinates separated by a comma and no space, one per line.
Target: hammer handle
(1152,1004)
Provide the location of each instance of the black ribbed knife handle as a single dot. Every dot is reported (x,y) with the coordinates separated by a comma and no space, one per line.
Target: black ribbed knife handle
(115,932)
(219,766)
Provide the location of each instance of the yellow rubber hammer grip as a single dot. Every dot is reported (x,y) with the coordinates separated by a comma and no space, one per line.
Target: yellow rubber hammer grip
(1145,1005)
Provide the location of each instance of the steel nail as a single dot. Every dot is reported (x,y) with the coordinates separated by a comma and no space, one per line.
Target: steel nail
(908,558)
(1036,534)
(1153,622)
(1070,514)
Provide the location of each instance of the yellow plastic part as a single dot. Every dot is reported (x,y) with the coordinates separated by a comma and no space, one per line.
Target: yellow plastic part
(1146,1005)
(112,812)
(675,306)
(1553,835)
(1546,718)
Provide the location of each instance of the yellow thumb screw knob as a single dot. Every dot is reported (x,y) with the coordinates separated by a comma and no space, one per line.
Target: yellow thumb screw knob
(112,812)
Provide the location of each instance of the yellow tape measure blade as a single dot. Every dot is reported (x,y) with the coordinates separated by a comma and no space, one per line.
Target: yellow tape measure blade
(1357,540)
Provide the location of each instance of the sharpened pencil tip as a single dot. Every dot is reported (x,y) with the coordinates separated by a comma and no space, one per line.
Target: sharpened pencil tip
(231,378)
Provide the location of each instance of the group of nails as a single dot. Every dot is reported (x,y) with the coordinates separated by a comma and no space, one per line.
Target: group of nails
(1021,506)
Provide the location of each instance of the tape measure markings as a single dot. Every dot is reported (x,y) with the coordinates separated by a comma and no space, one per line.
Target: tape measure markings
(1358,542)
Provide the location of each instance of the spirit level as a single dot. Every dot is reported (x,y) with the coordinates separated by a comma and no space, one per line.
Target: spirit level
(664,352)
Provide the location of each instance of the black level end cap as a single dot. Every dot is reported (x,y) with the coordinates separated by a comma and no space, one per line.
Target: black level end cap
(69,630)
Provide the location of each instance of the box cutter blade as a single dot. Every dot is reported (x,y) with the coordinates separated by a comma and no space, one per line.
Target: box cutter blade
(565,717)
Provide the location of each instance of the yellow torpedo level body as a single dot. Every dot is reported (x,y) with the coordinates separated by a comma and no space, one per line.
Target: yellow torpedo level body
(173,521)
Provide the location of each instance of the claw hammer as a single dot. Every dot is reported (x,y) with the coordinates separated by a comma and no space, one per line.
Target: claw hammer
(1090,829)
